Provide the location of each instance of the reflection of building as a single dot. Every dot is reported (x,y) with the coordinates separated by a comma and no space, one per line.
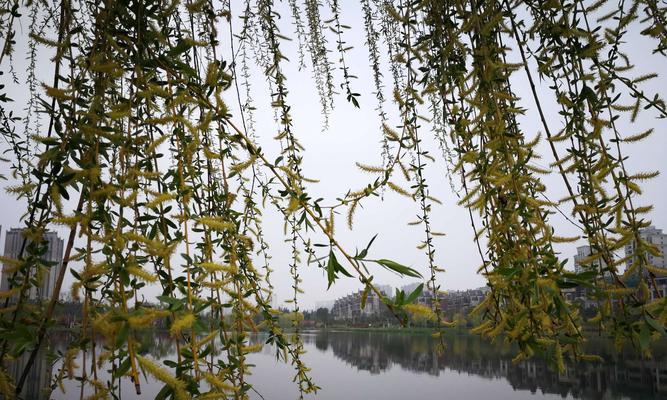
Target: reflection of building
(623,375)
(46,274)
(362,352)
(38,382)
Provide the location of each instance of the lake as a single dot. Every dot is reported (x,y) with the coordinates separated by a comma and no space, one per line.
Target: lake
(381,365)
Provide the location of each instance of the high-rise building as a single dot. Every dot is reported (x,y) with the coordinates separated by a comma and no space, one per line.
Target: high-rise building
(47,275)
(656,238)
(582,253)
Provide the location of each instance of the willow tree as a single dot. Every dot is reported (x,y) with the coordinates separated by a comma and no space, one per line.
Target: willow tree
(131,146)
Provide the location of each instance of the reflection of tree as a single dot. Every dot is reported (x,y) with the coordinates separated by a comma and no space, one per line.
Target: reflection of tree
(627,376)
(158,344)
(321,342)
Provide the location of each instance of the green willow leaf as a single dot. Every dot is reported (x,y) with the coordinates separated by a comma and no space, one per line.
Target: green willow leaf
(333,268)
(415,293)
(398,268)
(657,326)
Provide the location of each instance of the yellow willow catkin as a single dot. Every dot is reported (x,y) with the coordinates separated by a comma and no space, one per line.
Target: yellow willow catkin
(420,312)
(215,267)
(159,199)
(8,293)
(655,270)
(216,223)
(7,309)
(93,271)
(140,273)
(370,168)
(398,189)
(163,375)
(155,144)
(101,392)
(212,396)
(217,284)
(69,365)
(218,383)
(11,262)
(252,348)
(103,324)
(241,166)
(68,220)
(145,320)
(208,338)
(153,247)
(6,385)
(183,322)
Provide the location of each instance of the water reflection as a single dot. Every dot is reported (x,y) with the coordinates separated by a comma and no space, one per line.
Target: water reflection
(393,362)
(38,380)
(622,375)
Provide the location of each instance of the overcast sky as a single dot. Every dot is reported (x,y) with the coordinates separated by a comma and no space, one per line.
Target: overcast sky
(354,136)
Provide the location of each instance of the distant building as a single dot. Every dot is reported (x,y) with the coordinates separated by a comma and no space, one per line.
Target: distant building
(651,235)
(426,295)
(580,293)
(409,288)
(463,299)
(47,275)
(349,307)
(584,252)
(655,237)
(658,239)
(386,289)
(452,300)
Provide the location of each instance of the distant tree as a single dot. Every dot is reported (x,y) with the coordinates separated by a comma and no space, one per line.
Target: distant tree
(322,315)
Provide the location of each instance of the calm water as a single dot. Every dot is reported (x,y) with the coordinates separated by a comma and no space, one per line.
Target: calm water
(374,365)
